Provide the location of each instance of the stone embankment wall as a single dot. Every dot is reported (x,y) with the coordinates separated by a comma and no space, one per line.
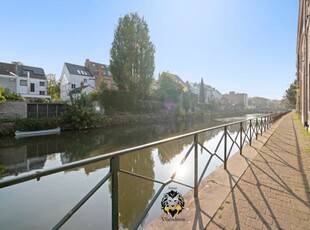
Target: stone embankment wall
(13,109)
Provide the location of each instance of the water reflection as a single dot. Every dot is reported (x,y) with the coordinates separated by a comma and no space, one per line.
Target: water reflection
(19,156)
(24,155)
(135,193)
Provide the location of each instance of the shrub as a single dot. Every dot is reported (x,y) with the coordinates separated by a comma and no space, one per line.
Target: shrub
(180,113)
(37,123)
(80,113)
(12,95)
(123,101)
(2,98)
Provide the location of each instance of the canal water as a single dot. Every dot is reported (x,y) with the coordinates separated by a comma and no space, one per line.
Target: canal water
(41,204)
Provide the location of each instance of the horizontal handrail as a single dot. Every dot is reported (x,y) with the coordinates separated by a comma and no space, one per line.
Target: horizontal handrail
(45,172)
(251,129)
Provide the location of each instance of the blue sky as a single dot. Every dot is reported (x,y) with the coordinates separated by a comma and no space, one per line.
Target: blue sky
(247,46)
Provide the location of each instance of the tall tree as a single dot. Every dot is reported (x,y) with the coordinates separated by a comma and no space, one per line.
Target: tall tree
(53,87)
(202,92)
(132,56)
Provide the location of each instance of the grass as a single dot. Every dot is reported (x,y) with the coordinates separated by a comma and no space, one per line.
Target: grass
(304,131)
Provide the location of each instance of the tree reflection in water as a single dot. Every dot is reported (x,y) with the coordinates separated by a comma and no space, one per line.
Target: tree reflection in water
(135,193)
(18,156)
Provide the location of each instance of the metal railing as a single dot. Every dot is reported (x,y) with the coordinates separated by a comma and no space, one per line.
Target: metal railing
(248,129)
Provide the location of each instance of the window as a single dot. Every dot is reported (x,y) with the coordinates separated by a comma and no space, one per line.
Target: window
(23,82)
(72,86)
(31,87)
(42,83)
(42,92)
(79,72)
(85,80)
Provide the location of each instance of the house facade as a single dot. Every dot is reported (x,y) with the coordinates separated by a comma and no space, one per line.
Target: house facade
(303,63)
(29,81)
(238,99)
(75,77)
(102,74)
(8,76)
(211,94)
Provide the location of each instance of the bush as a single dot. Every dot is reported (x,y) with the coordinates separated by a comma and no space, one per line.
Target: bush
(2,98)
(6,128)
(80,113)
(123,101)
(37,123)
(12,95)
(180,113)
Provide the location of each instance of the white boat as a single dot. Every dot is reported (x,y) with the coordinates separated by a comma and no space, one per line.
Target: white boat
(21,134)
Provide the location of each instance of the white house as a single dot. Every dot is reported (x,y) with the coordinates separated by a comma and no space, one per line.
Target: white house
(211,93)
(29,81)
(8,77)
(75,77)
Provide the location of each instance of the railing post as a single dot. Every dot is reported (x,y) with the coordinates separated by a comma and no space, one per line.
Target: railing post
(250,132)
(225,147)
(114,168)
(240,146)
(196,166)
(261,126)
(256,129)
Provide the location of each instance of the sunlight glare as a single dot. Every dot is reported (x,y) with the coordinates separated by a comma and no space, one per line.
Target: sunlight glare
(181,171)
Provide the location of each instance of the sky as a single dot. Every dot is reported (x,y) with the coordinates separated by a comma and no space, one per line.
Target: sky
(246,46)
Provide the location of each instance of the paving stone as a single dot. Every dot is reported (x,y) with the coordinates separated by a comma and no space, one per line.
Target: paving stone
(273,193)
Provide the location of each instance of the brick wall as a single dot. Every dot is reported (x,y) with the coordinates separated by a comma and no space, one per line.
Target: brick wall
(13,109)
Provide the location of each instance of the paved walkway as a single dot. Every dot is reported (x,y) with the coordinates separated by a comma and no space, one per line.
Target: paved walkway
(274,191)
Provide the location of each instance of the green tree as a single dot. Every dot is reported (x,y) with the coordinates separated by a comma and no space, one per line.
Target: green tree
(53,87)
(290,94)
(132,56)
(169,89)
(202,92)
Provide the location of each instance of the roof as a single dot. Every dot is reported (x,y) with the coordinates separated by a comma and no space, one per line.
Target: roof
(105,68)
(6,68)
(34,72)
(78,70)
(178,78)
(22,70)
